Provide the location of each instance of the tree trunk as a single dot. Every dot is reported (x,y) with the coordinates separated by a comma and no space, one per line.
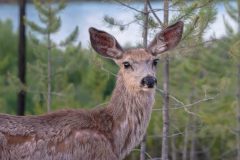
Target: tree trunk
(174,148)
(143,149)
(222,148)
(193,123)
(193,140)
(238,93)
(145,40)
(22,57)
(189,129)
(238,16)
(238,112)
(207,153)
(49,47)
(165,111)
(49,96)
(145,25)
(185,147)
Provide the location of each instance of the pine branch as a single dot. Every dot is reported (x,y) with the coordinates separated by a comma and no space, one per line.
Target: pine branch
(43,19)
(234,51)
(54,25)
(207,15)
(60,7)
(190,28)
(229,28)
(188,11)
(41,8)
(35,27)
(112,22)
(231,11)
(71,38)
(33,39)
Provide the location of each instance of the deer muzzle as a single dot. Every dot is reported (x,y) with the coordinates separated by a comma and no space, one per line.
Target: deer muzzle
(149,81)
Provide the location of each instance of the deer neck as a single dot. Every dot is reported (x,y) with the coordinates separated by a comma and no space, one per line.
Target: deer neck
(131,112)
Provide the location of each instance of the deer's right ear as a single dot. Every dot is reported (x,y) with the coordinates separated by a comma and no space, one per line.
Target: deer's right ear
(105,44)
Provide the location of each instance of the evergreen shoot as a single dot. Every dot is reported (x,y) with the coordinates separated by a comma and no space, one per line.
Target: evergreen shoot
(50,24)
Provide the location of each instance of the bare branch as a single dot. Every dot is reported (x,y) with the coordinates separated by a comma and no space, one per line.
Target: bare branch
(159,136)
(178,101)
(128,6)
(176,10)
(155,15)
(171,96)
(41,92)
(160,9)
(156,158)
(100,65)
(147,154)
(186,106)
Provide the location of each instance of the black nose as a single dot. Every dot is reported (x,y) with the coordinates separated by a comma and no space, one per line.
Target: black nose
(149,81)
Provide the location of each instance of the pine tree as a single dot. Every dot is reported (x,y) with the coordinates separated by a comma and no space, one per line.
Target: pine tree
(22,57)
(48,17)
(234,13)
(145,45)
(165,112)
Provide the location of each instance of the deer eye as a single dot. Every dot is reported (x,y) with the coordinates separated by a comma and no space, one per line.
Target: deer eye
(126,65)
(155,62)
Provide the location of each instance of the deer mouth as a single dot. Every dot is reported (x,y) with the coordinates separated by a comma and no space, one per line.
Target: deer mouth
(147,88)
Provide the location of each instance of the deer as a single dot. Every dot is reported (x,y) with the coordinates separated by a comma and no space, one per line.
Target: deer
(102,133)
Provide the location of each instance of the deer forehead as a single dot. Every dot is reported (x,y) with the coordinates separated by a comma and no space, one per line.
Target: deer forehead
(137,55)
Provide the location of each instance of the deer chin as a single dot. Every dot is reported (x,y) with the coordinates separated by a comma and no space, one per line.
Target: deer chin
(137,89)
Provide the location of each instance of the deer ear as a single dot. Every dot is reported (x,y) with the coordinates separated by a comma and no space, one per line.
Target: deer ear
(105,44)
(166,39)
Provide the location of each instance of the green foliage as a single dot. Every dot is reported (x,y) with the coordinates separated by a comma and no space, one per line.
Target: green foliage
(232,12)
(8,67)
(234,36)
(234,50)
(45,64)
(77,81)
(197,15)
(112,22)
(81,79)
(71,38)
(7,50)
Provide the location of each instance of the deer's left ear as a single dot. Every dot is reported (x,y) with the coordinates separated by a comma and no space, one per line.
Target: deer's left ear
(166,39)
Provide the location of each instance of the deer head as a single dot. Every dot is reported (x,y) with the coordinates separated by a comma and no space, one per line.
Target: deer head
(137,66)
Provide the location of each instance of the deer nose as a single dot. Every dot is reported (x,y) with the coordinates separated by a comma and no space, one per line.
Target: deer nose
(149,81)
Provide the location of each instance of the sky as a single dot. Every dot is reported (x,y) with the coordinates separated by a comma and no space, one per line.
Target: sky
(91,14)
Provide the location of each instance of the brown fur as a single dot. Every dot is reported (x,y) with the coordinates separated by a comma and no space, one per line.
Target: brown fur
(102,133)
(108,133)
(17,140)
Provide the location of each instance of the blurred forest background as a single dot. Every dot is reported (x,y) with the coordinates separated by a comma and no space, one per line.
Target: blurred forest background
(40,73)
